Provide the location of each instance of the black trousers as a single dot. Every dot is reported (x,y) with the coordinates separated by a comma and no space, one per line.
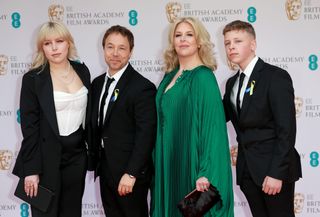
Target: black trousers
(264,205)
(134,204)
(68,195)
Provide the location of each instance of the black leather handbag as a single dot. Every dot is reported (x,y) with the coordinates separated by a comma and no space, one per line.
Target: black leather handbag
(197,203)
(43,199)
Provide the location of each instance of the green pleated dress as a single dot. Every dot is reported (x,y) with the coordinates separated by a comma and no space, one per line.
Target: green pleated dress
(191,142)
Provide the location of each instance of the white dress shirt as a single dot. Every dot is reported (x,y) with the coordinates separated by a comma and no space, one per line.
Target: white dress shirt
(247,71)
(116,77)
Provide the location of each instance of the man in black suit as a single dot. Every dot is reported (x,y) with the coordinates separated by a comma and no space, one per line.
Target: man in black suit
(123,128)
(259,100)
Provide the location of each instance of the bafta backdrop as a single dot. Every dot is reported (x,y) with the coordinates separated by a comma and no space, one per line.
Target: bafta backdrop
(287,33)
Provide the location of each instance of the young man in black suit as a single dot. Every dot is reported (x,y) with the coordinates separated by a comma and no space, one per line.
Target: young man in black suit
(123,128)
(259,100)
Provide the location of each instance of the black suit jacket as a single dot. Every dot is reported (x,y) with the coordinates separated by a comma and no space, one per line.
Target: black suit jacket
(40,149)
(266,128)
(129,127)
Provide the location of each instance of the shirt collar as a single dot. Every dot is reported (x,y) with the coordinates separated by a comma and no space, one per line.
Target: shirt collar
(248,70)
(118,74)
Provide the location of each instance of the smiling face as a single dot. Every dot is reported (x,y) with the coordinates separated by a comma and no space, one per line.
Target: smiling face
(240,47)
(116,52)
(55,49)
(185,42)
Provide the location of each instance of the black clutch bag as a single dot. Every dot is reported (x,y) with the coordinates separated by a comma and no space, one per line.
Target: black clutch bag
(197,203)
(42,201)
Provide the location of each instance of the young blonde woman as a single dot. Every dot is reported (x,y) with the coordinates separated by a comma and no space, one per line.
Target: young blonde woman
(54,113)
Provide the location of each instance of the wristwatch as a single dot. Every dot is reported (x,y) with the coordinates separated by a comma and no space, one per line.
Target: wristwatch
(131,176)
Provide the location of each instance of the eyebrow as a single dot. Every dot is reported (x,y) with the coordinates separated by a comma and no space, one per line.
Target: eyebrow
(186,32)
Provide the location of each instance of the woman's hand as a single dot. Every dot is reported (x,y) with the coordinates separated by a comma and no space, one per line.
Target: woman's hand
(202,184)
(31,185)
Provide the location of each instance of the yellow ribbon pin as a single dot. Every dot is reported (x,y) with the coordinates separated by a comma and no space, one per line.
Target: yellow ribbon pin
(252,86)
(116,93)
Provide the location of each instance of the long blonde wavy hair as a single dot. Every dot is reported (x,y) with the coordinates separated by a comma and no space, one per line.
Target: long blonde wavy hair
(203,39)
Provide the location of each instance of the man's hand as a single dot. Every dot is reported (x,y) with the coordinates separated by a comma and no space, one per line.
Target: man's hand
(126,184)
(271,185)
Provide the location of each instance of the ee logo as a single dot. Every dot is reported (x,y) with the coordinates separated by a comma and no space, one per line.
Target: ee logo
(15,17)
(313,62)
(314,159)
(252,14)
(24,210)
(18,116)
(133,17)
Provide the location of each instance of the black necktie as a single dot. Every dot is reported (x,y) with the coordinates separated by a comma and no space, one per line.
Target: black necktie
(242,75)
(103,101)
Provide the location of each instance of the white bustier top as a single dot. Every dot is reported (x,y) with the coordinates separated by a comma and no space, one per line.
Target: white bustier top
(70,110)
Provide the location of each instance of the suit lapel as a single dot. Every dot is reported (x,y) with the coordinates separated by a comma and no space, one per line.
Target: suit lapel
(96,98)
(118,91)
(78,68)
(228,94)
(254,78)
(45,91)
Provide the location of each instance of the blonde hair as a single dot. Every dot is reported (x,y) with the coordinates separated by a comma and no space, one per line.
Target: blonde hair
(203,39)
(48,29)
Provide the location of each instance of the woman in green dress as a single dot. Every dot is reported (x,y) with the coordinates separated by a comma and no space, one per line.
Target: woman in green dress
(192,145)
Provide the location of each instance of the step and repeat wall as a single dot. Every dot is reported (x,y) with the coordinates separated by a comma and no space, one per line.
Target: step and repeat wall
(288,36)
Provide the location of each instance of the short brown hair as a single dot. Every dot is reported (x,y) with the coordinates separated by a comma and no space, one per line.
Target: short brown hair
(121,30)
(239,25)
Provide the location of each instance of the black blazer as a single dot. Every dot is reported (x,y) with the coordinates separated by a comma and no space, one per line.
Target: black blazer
(129,127)
(266,128)
(40,149)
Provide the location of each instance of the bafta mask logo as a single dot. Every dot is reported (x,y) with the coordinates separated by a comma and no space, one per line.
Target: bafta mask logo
(298,102)
(234,154)
(173,10)
(298,203)
(293,9)
(5,159)
(3,64)
(55,13)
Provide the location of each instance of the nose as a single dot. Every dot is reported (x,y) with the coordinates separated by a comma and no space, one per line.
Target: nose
(115,52)
(182,38)
(231,46)
(54,46)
